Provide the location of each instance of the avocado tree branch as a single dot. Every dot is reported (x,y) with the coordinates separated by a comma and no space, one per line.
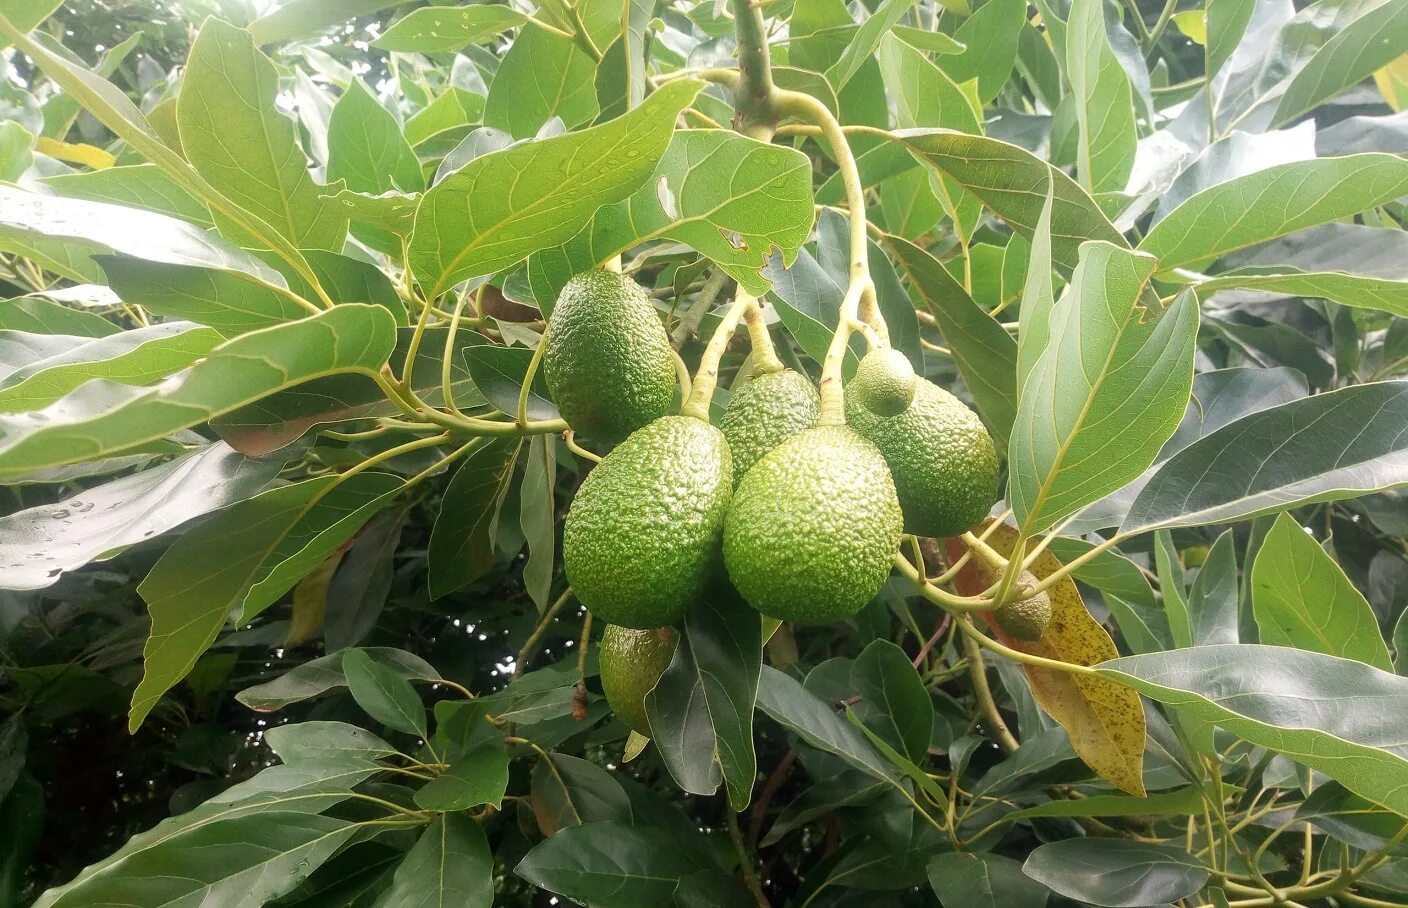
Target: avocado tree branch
(755,113)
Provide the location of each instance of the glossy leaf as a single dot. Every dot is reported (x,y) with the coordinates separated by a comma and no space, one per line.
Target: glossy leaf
(983,881)
(570,791)
(1290,701)
(468,225)
(366,149)
(893,699)
(1352,54)
(1213,598)
(1361,291)
(611,863)
(1330,446)
(461,543)
(474,778)
(1105,394)
(1116,873)
(864,42)
(100,419)
(227,301)
(1302,598)
(715,673)
(1271,203)
(450,864)
(132,186)
(317,740)
(318,676)
(813,719)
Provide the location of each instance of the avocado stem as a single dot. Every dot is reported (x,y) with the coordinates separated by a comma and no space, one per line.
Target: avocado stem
(706,378)
(765,358)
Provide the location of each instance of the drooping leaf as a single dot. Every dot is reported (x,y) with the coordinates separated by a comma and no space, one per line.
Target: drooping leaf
(1327,447)
(39,544)
(893,700)
(1104,721)
(1107,391)
(101,418)
(715,671)
(228,301)
(813,719)
(570,791)
(537,516)
(1213,597)
(384,694)
(1302,598)
(1292,702)
(1103,101)
(132,186)
(468,225)
(461,544)
(1116,873)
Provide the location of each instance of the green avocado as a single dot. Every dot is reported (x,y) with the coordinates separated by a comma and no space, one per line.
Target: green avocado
(642,536)
(766,411)
(884,383)
(608,362)
(631,662)
(943,459)
(1026,619)
(814,527)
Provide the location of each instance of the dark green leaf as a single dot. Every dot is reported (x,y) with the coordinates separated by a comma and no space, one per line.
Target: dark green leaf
(1116,873)
(812,718)
(610,863)
(893,701)
(461,543)
(321,675)
(304,741)
(450,864)
(962,880)
(384,694)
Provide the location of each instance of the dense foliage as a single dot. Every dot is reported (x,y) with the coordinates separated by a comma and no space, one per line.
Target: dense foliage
(284,617)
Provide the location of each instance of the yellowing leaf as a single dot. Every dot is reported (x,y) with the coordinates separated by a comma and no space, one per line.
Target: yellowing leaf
(1393,82)
(86,155)
(1105,721)
(1193,24)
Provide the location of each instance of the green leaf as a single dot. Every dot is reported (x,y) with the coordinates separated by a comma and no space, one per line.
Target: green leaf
(306,18)
(100,419)
(893,701)
(1212,600)
(99,227)
(38,545)
(543,75)
(239,563)
(454,109)
(982,881)
(260,857)
(813,719)
(1013,183)
(866,39)
(987,46)
(1357,290)
(1302,598)
(1271,203)
(701,709)
(450,864)
(366,149)
(1103,101)
(986,355)
(236,139)
(570,791)
(536,516)
(1181,802)
(41,316)
(479,776)
(384,694)
(133,357)
(360,588)
(320,740)
(133,186)
(1105,394)
(1352,819)
(498,374)
(1116,873)
(462,542)
(1291,701)
(228,301)
(1335,445)
(611,863)
(1351,55)
(325,673)
(443,29)
(469,224)
(14,742)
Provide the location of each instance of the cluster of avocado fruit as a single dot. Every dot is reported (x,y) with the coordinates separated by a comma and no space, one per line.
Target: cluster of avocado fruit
(804,519)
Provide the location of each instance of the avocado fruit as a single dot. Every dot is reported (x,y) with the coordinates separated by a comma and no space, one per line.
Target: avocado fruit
(814,527)
(1025,619)
(607,360)
(764,412)
(884,382)
(642,536)
(943,459)
(631,662)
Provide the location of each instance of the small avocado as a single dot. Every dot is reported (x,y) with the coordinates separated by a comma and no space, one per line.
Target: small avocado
(884,382)
(943,459)
(631,662)
(766,411)
(814,527)
(607,360)
(642,536)
(1026,619)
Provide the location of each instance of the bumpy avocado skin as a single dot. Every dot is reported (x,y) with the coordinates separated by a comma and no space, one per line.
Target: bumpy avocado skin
(642,536)
(943,460)
(631,662)
(607,361)
(814,527)
(1026,619)
(884,383)
(766,411)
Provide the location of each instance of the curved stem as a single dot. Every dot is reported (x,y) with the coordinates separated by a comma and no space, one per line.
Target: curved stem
(706,379)
(977,673)
(526,653)
(448,354)
(987,642)
(570,439)
(765,358)
(528,379)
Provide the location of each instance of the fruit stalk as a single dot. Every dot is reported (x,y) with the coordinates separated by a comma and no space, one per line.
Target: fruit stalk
(765,359)
(706,379)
